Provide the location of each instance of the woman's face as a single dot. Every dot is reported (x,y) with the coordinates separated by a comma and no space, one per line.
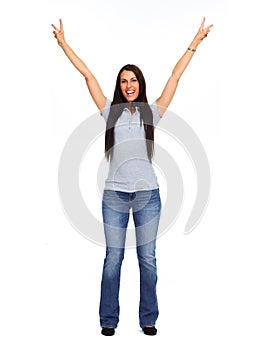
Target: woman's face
(129,85)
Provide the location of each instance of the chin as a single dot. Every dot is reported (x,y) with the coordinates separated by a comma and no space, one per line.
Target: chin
(131,99)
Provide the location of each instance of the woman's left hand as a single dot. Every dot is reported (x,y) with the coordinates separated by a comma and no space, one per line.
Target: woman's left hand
(202,33)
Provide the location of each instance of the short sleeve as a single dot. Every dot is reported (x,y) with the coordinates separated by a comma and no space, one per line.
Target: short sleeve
(156,116)
(106,110)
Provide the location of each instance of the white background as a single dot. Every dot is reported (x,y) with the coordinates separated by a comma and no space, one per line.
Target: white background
(213,284)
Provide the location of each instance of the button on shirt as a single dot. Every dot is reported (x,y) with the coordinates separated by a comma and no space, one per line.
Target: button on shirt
(130,169)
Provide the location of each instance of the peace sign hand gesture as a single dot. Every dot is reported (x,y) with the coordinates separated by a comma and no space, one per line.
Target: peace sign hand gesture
(59,33)
(202,32)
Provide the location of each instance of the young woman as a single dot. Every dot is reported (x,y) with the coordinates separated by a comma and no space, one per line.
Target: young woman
(131,182)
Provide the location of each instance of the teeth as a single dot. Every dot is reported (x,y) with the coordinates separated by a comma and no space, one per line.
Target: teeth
(130,92)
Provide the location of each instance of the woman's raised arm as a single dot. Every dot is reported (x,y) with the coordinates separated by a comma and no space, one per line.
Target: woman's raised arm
(169,90)
(92,84)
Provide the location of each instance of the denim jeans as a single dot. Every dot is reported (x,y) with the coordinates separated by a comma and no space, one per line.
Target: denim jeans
(146,208)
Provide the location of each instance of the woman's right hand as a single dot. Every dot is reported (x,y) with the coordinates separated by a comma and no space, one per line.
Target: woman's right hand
(59,33)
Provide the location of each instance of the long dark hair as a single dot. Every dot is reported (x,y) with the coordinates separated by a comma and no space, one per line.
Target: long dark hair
(119,103)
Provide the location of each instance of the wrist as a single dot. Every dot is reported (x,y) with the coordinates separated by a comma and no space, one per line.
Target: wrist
(62,44)
(194,44)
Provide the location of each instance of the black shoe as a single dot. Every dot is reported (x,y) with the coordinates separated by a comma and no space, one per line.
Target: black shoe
(107,331)
(150,330)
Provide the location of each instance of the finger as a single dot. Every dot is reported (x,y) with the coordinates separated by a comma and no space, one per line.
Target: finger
(61,24)
(55,27)
(208,28)
(202,24)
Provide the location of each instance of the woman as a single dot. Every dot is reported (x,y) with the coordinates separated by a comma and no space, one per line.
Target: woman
(131,182)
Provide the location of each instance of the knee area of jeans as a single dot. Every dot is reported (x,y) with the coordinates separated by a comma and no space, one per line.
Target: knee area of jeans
(147,250)
(114,254)
(147,261)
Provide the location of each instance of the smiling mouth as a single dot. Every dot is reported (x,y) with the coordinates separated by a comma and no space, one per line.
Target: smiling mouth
(130,92)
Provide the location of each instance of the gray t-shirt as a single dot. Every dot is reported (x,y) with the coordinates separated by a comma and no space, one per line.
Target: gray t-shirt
(130,169)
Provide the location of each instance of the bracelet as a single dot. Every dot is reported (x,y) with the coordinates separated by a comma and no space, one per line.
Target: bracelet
(190,49)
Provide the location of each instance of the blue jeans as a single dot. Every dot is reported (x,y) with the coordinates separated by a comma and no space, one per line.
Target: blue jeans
(146,208)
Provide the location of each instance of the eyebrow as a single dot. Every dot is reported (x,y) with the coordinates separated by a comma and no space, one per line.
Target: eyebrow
(129,79)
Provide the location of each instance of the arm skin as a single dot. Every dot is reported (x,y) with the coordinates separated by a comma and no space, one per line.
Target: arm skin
(91,82)
(169,90)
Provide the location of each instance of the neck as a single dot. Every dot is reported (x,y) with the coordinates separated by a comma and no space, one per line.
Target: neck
(131,107)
